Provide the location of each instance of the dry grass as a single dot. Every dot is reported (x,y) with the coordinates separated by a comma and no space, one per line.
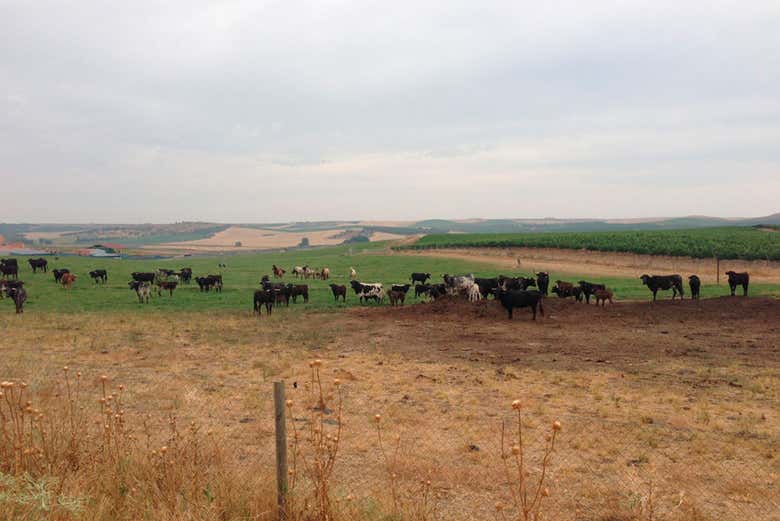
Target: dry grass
(688,402)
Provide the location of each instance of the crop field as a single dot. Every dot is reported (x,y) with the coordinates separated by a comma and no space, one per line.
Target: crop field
(726,243)
(374,263)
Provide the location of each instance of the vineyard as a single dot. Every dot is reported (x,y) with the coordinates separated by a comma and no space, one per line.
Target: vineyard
(725,243)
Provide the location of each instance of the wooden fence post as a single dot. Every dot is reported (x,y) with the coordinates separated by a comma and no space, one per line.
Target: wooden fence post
(717,270)
(281,449)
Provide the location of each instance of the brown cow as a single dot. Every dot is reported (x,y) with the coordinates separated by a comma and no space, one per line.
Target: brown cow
(603,295)
(67,280)
(339,291)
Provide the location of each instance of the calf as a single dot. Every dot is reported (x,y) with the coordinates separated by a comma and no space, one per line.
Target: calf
(543,282)
(143,290)
(301,290)
(325,274)
(339,291)
(403,288)
(738,279)
(436,291)
(588,288)
(603,295)
(38,264)
(166,285)
(520,299)
(99,276)
(19,296)
(397,297)
(664,282)
(209,283)
(278,272)
(264,296)
(695,284)
(58,273)
(420,277)
(473,293)
(298,271)
(67,280)
(421,289)
(352,273)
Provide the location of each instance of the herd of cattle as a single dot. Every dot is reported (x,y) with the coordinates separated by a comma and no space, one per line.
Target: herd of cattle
(511,292)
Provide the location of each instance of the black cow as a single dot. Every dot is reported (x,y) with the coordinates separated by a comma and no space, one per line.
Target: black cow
(487,286)
(9,268)
(19,296)
(695,284)
(264,296)
(520,299)
(209,283)
(166,285)
(339,291)
(403,288)
(515,283)
(420,277)
(165,272)
(738,279)
(543,282)
(421,289)
(436,291)
(185,274)
(6,286)
(588,288)
(38,264)
(567,289)
(58,273)
(664,282)
(99,276)
(299,290)
(143,276)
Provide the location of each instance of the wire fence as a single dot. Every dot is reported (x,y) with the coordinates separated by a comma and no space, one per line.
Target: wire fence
(602,468)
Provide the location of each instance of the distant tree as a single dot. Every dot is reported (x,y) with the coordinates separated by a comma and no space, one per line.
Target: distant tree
(237,244)
(304,243)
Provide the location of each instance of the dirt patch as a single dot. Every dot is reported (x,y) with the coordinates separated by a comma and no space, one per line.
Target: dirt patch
(258,239)
(627,265)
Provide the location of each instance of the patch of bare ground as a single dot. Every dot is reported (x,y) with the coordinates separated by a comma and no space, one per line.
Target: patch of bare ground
(615,264)
(678,398)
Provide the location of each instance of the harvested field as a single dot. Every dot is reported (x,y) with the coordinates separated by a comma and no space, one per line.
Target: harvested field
(680,399)
(603,263)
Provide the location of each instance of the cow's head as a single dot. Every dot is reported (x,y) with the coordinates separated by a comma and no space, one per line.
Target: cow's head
(644,278)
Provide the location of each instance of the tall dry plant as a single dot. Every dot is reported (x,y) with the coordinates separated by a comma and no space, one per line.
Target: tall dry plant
(526,494)
(314,452)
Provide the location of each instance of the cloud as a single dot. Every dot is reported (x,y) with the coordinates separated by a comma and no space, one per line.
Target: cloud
(226,110)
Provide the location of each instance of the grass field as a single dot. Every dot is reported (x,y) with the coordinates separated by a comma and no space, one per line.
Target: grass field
(374,263)
(726,243)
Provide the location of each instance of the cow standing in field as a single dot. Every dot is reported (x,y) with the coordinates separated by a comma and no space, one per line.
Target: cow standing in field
(515,283)
(67,280)
(458,283)
(166,285)
(520,299)
(695,284)
(421,289)
(373,291)
(185,274)
(397,297)
(603,295)
(352,273)
(487,286)
(298,271)
(99,276)
(58,273)
(143,276)
(420,277)
(543,282)
(278,272)
(339,291)
(9,268)
(38,264)
(663,282)
(588,288)
(738,279)
(143,290)
(263,297)
(19,296)
(299,290)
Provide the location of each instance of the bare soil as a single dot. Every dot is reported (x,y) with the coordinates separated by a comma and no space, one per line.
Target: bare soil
(613,264)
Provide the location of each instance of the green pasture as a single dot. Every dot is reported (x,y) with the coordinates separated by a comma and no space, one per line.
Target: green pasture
(373,262)
(726,242)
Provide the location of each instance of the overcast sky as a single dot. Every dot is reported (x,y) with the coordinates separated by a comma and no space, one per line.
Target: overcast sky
(253,111)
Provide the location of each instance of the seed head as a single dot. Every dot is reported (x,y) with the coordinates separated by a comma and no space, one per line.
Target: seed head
(65,368)
(556,426)
(377,418)
(288,403)
(336,382)
(546,492)
(499,507)
(516,449)
(517,405)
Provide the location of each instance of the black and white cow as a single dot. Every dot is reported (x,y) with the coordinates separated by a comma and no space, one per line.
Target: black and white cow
(367,292)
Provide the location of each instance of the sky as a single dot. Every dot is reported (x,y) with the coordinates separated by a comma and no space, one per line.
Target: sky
(268,111)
